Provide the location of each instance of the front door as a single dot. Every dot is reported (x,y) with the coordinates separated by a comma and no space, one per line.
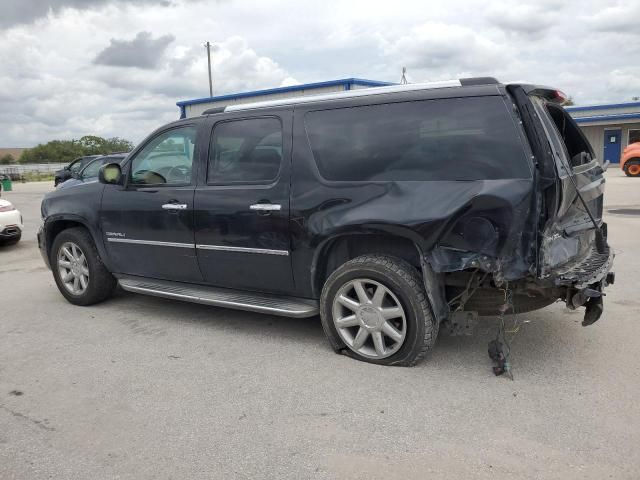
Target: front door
(242,205)
(612,147)
(148,224)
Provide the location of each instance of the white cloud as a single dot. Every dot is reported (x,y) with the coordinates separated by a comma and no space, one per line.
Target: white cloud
(438,49)
(619,18)
(528,20)
(143,51)
(50,86)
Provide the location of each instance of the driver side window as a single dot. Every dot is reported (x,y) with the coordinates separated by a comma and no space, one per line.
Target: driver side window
(167,159)
(76,166)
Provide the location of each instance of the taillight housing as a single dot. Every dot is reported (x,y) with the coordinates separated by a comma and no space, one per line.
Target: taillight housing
(560,97)
(7,208)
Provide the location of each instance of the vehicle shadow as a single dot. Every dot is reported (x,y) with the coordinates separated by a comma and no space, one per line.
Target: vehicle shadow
(538,339)
(304,330)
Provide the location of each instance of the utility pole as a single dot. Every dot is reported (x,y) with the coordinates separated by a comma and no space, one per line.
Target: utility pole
(403,79)
(208,45)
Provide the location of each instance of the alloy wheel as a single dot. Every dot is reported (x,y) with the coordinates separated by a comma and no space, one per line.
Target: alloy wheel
(73,268)
(369,318)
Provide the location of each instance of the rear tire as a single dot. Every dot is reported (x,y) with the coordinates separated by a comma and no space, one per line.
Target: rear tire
(388,322)
(73,257)
(632,167)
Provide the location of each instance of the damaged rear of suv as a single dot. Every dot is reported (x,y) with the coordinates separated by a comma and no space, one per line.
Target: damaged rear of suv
(390,211)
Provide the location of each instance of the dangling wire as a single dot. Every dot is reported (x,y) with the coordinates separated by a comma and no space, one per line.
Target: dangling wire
(496,351)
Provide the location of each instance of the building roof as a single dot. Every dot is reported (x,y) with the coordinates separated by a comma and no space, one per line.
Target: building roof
(347,83)
(606,113)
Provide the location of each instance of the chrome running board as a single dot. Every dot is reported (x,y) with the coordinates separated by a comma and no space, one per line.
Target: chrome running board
(221,297)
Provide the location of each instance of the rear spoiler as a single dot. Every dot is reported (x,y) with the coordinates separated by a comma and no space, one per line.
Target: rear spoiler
(548,93)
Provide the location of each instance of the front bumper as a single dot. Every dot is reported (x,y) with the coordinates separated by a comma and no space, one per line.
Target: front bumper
(42,245)
(10,231)
(10,225)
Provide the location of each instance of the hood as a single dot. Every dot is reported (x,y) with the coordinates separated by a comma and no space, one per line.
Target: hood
(5,203)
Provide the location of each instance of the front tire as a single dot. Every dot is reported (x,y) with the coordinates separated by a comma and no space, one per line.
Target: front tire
(375,309)
(77,269)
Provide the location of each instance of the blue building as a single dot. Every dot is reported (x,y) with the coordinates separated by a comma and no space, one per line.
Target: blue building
(609,127)
(191,108)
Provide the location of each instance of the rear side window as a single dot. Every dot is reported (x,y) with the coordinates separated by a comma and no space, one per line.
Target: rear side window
(245,151)
(449,139)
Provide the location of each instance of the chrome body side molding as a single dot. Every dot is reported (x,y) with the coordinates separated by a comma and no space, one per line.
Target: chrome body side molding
(225,248)
(150,242)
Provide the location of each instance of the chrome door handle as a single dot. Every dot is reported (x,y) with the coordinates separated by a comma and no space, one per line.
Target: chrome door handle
(265,207)
(174,206)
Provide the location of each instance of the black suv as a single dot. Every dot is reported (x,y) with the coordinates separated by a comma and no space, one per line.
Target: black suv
(387,210)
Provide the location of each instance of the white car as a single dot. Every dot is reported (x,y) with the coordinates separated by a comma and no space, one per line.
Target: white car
(10,223)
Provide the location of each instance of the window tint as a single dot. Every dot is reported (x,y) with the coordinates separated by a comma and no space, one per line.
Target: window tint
(93,168)
(245,151)
(77,165)
(449,139)
(167,158)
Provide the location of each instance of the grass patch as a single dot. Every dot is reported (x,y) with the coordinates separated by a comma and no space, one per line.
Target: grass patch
(37,177)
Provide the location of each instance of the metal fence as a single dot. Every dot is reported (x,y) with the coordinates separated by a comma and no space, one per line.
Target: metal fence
(18,172)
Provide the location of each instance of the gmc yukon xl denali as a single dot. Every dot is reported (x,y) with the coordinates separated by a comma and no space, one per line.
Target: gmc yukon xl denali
(389,211)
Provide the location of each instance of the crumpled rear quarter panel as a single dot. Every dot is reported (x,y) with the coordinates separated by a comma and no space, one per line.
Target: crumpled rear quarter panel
(457,225)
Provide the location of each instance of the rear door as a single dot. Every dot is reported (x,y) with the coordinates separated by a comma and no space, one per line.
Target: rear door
(242,204)
(148,224)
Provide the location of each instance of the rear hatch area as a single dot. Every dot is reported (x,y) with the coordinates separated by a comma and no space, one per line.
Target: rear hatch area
(574,251)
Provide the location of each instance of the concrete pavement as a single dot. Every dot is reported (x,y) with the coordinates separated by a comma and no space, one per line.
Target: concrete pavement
(140,387)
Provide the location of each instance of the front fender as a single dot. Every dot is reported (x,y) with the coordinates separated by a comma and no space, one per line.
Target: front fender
(52,226)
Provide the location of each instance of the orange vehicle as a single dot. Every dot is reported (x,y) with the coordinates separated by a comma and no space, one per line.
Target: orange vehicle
(630,160)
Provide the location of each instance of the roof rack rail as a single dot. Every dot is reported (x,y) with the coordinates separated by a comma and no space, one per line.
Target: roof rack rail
(463,82)
(214,110)
(472,81)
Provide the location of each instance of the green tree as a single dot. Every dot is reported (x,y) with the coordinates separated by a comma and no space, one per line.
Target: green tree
(568,102)
(92,144)
(54,151)
(117,144)
(7,159)
(66,150)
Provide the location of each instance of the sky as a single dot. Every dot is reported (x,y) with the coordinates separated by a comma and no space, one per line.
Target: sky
(70,68)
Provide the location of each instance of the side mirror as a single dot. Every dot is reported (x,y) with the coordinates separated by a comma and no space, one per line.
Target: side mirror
(111,174)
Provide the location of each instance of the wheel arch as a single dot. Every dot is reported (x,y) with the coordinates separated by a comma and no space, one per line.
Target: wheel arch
(59,223)
(338,249)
